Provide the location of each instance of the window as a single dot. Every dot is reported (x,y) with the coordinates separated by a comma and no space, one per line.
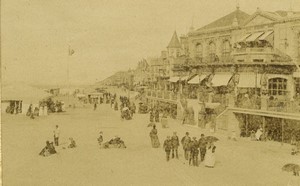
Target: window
(226,48)
(199,50)
(212,51)
(277,86)
(297,85)
(177,53)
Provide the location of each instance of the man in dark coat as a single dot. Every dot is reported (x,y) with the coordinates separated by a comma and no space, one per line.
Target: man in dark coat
(185,144)
(156,115)
(168,146)
(194,151)
(175,144)
(202,146)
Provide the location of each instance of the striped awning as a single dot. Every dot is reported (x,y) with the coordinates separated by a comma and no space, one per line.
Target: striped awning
(220,79)
(184,78)
(244,37)
(197,79)
(296,74)
(249,80)
(254,36)
(265,35)
(174,79)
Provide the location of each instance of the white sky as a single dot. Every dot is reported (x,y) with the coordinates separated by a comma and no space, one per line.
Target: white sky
(107,35)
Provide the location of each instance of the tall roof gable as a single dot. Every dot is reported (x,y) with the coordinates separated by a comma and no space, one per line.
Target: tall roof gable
(227,20)
(174,43)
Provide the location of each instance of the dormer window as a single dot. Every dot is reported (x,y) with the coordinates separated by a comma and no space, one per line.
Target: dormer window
(226,49)
(199,50)
(212,51)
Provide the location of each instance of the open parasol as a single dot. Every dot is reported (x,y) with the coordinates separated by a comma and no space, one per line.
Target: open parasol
(291,167)
(125,108)
(211,139)
(151,124)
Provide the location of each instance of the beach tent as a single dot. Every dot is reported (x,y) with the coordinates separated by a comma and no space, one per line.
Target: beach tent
(27,94)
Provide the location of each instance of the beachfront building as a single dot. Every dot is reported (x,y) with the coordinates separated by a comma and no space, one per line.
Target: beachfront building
(246,55)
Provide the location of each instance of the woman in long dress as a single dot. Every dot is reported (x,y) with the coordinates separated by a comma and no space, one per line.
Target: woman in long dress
(210,160)
(154,138)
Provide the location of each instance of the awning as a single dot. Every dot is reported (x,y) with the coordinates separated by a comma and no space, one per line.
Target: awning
(247,80)
(244,37)
(296,74)
(197,79)
(265,35)
(184,78)
(254,36)
(221,79)
(174,79)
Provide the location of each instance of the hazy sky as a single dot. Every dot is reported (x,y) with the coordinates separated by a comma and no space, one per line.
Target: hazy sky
(106,35)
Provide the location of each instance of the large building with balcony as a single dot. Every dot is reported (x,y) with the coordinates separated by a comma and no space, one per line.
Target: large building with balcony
(255,54)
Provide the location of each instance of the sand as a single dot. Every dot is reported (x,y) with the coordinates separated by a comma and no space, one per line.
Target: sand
(238,163)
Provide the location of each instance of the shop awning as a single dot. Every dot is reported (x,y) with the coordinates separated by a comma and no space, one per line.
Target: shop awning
(244,37)
(254,36)
(221,79)
(265,35)
(174,79)
(184,78)
(248,80)
(197,79)
(296,74)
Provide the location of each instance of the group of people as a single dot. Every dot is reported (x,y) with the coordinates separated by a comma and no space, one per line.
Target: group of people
(49,149)
(191,147)
(115,142)
(154,115)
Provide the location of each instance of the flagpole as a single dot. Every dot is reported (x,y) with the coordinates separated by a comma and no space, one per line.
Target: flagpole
(68,72)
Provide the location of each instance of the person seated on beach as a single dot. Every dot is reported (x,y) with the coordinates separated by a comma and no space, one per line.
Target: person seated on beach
(46,150)
(100,138)
(72,143)
(258,133)
(252,135)
(52,148)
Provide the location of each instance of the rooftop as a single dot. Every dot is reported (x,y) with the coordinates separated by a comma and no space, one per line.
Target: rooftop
(227,20)
(174,43)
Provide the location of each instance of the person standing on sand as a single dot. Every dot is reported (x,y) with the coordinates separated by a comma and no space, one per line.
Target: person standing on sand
(202,147)
(185,141)
(154,138)
(210,160)
(56,135)
(95,106)
(175,144)
(168,146)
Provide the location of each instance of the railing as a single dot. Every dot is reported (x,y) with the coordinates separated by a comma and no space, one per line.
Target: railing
(167,95)
(253,50)
(277,106)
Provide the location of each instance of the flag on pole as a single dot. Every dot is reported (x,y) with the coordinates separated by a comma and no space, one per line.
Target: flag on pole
(71,51)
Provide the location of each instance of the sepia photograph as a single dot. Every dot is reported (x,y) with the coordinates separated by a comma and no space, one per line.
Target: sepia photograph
(150,93)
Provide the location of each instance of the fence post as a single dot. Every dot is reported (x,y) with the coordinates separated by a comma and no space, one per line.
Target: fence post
(282,123)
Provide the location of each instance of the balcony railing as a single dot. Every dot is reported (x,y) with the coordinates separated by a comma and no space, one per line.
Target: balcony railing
(167,95)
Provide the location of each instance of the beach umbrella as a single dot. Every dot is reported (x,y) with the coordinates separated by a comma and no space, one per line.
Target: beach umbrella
(151,124)
(291,167)
(211,139)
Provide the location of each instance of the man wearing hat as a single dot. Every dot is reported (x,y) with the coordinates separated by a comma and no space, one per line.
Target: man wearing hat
(194,152)
(185,144)
(168,146)
(175,144)
(100,138)
(202,146)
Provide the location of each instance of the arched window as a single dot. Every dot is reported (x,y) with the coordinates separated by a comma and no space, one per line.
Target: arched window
(226,48)
(199,50)
(177,53)
(277,86)
(212,51)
